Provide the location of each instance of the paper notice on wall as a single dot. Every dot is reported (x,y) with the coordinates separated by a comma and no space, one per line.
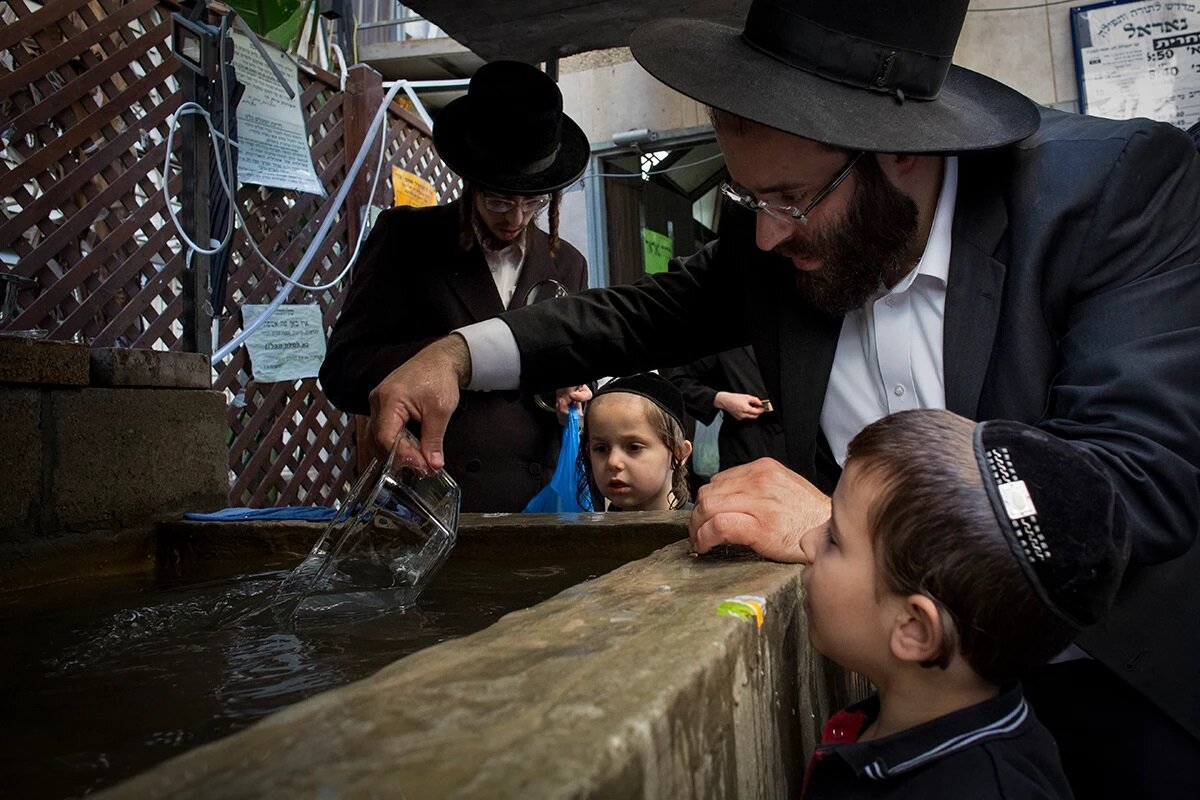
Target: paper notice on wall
(289,346)
(273,144)
(657,250)
(412,190)
(1139,59)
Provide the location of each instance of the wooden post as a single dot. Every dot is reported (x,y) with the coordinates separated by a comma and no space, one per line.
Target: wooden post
(364,93)
(197,312)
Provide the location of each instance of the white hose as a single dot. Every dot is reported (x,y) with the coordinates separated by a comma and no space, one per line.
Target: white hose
(311,251)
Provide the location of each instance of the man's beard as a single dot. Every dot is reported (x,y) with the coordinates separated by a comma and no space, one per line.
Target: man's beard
(859,252)
(488,240)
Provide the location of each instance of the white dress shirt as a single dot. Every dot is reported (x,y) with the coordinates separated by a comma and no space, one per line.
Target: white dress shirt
(505,265)
(889,353)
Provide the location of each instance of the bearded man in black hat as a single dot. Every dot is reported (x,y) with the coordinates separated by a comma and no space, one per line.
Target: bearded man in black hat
(920,236)
(426,271)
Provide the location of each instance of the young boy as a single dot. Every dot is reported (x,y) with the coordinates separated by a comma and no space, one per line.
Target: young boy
(958,556)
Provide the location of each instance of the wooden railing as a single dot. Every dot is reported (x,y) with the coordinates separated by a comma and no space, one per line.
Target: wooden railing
(87,92)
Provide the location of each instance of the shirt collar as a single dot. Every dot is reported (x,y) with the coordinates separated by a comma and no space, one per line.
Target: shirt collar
(893,755)
(935,261)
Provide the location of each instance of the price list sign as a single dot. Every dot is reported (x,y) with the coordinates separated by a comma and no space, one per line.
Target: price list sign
(1139,59)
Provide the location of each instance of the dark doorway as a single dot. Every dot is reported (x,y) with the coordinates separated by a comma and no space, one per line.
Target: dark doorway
(659,203)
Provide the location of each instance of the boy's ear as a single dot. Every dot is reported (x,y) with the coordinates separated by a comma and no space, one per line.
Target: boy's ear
(685,450)
(919,633)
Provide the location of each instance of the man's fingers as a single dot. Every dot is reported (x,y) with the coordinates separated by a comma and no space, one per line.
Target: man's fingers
(433,430)
(730,527)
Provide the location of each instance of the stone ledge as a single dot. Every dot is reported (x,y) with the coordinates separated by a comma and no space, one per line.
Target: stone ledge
(121,366)
(626,686)
(43,361)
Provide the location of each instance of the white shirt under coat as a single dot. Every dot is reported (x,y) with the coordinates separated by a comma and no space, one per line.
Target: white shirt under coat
(505,266)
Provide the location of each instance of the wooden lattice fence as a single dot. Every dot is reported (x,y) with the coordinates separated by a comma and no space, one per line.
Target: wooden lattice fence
(87,92)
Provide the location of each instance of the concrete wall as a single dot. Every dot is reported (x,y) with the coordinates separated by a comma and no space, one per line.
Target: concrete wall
(92,452)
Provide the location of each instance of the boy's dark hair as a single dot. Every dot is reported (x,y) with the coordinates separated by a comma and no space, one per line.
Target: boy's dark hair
(935,533)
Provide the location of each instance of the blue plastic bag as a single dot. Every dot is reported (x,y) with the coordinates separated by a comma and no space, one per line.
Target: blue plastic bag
(562,493)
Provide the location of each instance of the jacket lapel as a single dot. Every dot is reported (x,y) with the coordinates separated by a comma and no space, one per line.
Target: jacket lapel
(471,280)
(974,289)
(538,267)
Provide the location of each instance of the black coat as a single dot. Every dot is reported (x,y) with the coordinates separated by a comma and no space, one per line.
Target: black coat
(1073,303)
(739,441)
(414,284)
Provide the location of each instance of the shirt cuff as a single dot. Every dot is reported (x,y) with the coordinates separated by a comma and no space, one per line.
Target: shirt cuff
(495,359)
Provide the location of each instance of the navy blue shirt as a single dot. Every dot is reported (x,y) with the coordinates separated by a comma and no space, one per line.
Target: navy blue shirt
(995,749)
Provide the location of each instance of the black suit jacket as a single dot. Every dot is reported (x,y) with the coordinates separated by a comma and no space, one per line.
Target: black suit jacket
(414,284)
(1073,303)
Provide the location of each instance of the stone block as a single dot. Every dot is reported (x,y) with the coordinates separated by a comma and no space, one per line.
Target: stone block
(129,455)
(121,366)
(20,460)
(40,361)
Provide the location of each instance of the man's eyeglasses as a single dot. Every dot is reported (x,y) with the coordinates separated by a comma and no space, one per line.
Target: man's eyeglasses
(788,213)
(502,204)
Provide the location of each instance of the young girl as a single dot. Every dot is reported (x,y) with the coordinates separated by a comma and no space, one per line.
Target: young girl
(632,448)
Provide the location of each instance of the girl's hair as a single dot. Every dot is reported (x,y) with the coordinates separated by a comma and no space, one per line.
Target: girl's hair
(669,433)
(466,218)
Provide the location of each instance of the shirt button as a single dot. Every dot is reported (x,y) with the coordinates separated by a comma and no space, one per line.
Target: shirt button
(899,390)
(891,301)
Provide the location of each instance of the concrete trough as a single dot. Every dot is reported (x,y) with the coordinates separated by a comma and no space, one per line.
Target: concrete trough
(631,685)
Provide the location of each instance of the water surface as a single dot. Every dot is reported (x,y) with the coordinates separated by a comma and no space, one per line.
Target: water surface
(106,678)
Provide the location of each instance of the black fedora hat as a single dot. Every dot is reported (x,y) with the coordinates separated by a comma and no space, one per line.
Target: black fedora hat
(509,133)
(860,74)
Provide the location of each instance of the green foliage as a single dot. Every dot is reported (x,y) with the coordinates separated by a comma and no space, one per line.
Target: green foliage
(286,33)
(277,20)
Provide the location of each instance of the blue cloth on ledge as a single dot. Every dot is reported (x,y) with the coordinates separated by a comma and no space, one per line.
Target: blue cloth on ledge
(308,513)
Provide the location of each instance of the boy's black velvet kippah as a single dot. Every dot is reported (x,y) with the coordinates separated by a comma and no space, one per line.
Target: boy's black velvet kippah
(654,388)
(1060,514)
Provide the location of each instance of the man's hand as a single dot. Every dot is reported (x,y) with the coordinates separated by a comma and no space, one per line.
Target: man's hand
(424,388)
(571,395)
(763,505)
(739,406)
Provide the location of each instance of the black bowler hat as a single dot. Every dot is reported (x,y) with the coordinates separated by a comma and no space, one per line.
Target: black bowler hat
(653,387)
(859,74)
(1060,514)
(509,133)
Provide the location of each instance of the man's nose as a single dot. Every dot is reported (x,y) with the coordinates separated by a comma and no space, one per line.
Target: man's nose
(769,232)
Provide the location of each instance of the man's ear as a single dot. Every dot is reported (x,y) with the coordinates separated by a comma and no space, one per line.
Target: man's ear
(919,632)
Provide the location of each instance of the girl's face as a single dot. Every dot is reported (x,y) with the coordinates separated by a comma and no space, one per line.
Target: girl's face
(630,464)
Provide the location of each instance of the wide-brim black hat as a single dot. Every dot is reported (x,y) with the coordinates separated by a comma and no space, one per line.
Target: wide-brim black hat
(509,134)
(869,75)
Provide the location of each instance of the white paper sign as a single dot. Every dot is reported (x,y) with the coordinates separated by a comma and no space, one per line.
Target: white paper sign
(1139,59)
(273,143)
(289,346)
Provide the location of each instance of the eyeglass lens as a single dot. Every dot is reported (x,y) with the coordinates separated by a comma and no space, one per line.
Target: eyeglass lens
(788,213)
(498,204)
